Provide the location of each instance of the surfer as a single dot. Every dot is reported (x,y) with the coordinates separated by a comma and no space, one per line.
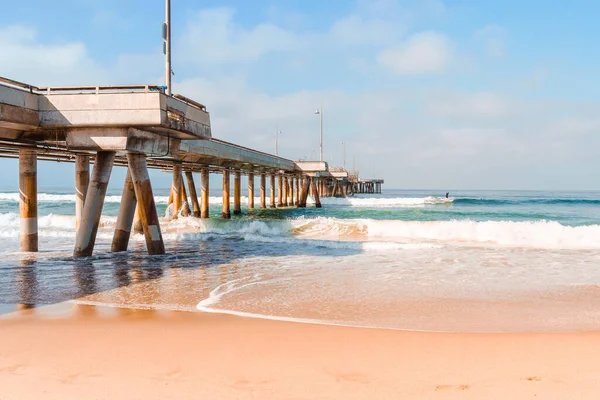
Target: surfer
(447,193)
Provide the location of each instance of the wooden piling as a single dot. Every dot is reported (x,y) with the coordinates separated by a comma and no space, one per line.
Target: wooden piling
(272,192)
(226,213)
(146,204)
(315,193)
(193,194)
(28,206)
(335,188)
(94,200)
(292,192)
(263,191)
(237,193)
(204,193)
(176,190)
(82,180)
(297,201)
(305,191)
(284,192)
(250,191)
(125,217)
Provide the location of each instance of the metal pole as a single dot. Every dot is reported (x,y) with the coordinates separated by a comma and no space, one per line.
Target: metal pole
(344,144)
(277,142)
(321,137)
(168,46)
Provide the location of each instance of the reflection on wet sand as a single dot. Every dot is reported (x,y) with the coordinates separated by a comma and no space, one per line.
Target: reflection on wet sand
(27,284)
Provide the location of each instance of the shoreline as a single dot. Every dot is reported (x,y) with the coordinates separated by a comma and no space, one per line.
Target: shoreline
(127,353)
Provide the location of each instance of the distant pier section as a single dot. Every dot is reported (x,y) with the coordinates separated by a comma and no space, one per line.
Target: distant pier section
(140,127)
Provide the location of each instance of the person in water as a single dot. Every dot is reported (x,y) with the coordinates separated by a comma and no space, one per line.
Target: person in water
(447,193)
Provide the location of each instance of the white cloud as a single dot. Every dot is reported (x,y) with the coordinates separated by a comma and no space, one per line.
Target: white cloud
(493,39)
(468,105)
(422,53)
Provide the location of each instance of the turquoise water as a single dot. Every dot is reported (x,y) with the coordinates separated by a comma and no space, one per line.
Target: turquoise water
(366,250)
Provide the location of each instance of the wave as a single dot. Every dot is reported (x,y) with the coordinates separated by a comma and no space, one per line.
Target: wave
(499,202)
(384,202)
(365,234)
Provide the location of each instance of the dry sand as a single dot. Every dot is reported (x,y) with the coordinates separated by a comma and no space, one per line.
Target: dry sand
(177,355)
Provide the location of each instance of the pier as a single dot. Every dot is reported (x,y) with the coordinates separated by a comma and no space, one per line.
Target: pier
(141,127)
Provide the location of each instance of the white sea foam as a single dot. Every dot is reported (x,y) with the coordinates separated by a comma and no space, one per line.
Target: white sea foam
(388,234)
(376,202)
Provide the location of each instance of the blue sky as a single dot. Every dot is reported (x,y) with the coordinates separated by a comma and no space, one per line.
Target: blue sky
(427,94)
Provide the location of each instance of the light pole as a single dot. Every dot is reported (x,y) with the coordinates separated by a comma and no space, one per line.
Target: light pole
(167,46)
(319,112)
(277,142)
(344,145)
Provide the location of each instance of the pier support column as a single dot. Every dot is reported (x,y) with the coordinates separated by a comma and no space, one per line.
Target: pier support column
(237,193)
(335,188)
(94,200)
(315,193)
(137,221)
(284,202)
(204,192)
(28,205)
(297,201)
(250,191)
(185,203)
(193,194)
(176,190)
(82,180)
(145,202)
(280,191)
(305,191)
(126,215)
(292,192)
(226,213)
(263,191)
(272,192)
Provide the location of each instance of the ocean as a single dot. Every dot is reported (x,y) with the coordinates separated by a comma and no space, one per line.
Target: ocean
(405,259)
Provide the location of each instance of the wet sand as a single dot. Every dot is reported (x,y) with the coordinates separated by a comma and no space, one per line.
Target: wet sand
(99,353)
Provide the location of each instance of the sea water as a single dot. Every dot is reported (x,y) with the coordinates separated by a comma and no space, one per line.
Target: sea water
(478,261)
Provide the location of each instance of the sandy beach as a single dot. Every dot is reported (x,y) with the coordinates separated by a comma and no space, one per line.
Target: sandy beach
(99,353)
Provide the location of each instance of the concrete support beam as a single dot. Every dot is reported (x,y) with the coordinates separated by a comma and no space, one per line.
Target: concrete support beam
(185,203)
(193,194)
(280,191)
(126,215)
(137,221)
(237,193)
(315,193)
(28,205)
(272,192)
(82,180)
(250,191)
(145,202)
(226,214)
(204,193)
(94,201)
(176,190)
(263,191)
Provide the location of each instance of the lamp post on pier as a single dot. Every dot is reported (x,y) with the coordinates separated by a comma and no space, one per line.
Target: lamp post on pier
(319,112)
(167,46)
(277,142)
(344,146)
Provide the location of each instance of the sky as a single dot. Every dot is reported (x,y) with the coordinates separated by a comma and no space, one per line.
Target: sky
(427,94)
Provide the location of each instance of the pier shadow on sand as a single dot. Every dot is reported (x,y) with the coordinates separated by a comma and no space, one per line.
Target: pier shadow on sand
(38,280)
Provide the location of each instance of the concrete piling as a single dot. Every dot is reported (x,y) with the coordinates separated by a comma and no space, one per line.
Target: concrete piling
(193,194)
(237,193)
(204,193)
(28,205)
(250,191)
(305,191)
(263,191)
(176,190)
(82,180)
(137,221)
(126,215)
(94,200)
(272,192)
(146,204)
(315,193)
(185,203)
(284,191)
(297,201)
(226,214)
(280,191)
